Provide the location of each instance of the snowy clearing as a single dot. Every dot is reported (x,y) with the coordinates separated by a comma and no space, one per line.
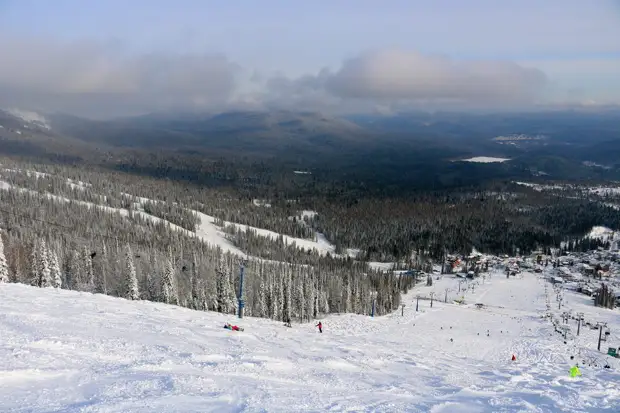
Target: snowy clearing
(69,351)
(29,117)
(485,159)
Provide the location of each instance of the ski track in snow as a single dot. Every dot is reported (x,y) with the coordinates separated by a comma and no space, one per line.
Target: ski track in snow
(67,351)
(207,231)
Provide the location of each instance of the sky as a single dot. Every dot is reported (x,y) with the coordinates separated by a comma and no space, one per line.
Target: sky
(111,57)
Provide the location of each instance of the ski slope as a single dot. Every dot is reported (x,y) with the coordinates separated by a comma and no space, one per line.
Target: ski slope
(64,351)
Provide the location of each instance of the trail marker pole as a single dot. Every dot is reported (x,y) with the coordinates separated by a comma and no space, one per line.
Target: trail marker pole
(374,303)
(446,298)
(432,294)
(600,336)
(402,310)
(417,302)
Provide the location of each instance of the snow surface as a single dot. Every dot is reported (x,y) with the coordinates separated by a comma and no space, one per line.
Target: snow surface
(485,159)
(605,191)
(600,232)
(29,117)
(66,351)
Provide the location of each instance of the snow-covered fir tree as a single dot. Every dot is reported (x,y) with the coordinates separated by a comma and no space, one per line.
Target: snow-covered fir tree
(261,304)
(88,276)
(299,297)
(224,289)
(4,268)
(100,284)
(287,301)
(55,272)
(131,279)
(73,271)
(232,296)
(274,298)
(41,265)
(168,284)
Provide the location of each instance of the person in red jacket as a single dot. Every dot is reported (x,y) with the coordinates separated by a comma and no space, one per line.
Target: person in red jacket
(320,326)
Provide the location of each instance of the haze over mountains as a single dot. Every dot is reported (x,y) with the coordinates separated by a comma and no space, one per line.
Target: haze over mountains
(557,144)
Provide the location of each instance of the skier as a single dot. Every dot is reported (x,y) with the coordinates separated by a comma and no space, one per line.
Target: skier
(514,358)
(320,326)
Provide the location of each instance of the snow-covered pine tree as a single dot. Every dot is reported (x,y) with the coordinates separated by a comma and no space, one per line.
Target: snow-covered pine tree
(232,296)
(309,294)
(152,280)
(195,288)
(274,295)
(88,279)
(287,302)
(130,290)
(101,272)
(224,289)
(35,276)
(280,287)
(43,265)
(4,268)
(347,293)
(73,273)
(300,301)
(55,273)
(168,284)
(261,304)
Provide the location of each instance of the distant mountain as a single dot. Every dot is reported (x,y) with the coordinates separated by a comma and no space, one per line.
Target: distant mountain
(235,131)
(402,150)
(29,134)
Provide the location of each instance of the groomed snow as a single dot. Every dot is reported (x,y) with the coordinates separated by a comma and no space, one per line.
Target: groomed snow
(75,352)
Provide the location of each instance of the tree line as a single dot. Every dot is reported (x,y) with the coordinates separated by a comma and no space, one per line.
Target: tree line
(59,243)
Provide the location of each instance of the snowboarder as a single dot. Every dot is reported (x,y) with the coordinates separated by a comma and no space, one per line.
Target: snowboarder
(320,326)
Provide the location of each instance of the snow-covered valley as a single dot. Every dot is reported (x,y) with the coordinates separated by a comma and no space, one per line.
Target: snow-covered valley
(76,352)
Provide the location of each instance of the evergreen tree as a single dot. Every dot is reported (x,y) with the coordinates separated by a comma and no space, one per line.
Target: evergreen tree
(4,268)
(287,310)
(73,273)
(224,289)
(43,265)
(55,272)
(274,298)
(261,304)
(168,285)
(232,296)
(100,285)
(87,280)
(130,291)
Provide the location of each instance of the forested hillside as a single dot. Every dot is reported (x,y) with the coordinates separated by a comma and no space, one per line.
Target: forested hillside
(164,240)
(86,231)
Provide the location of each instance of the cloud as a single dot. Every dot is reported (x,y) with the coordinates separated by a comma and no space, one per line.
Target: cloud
(90,76)
(104,79)
(394,75)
